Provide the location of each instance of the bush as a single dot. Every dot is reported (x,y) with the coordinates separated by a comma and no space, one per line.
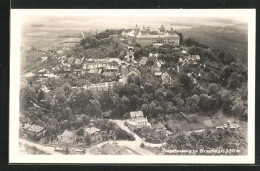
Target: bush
(142,145)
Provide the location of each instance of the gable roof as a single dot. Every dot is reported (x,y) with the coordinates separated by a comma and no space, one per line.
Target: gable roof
(135,114)
(129,69)
(35,128)
(92,130)
(68,133)
(165,75)
(193,57)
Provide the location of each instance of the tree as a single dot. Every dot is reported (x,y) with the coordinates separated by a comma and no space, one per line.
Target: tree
(133,102)
(149,88)
(185,80)
(233,82)
(238,108)
(95,108)
(212,76)
(159,94)
(213,89)
(125,101)
(158,110)
(80,132)
(228,59)
(27,94)
(227,100)
(145,109)
(192,102)
(87,139)
(205,103)
(119,111)
(40,95)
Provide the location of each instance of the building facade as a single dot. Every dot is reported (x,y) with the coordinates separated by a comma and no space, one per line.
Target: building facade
(144,38)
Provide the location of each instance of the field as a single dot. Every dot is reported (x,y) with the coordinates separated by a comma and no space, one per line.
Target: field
(230,39)
(218,119)
(39,42)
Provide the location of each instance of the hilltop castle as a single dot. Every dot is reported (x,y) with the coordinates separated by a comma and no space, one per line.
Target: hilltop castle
(144,38)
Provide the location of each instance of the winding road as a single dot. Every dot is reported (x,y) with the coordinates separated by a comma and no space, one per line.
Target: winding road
(134,145)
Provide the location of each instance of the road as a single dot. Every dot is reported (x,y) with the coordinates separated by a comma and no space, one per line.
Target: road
(46,149)
(137,138)
(134,145)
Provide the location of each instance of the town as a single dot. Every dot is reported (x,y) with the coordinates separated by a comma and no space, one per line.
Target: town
(131,92)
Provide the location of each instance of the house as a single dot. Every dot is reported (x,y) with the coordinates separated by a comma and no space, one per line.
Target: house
(92,130)
(136,114)
(77,71)
(110,149)
(137,120)
(44,58)
(59,52)
(34,129)
(208,123)
(95,150)
(130,57)
(66,68)
(67,137)
(109,74)
(106,115)
(50,75)
(128,71)
(153,57)
(143,36)
(158,73)
(193,59)
(43,71)
(70,60)
(159,127)
(156,45)
(156,67)
(143,61)
(100,86)
(166,78)
(79,61)
(231,125)
(93,71)
(27,75)
(162,61)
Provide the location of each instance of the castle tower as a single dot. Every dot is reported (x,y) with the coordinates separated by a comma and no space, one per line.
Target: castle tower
(161,30)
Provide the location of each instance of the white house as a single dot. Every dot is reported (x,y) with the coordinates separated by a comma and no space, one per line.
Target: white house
(137,120)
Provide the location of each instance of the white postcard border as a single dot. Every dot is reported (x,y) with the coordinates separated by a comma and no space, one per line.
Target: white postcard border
(18,14)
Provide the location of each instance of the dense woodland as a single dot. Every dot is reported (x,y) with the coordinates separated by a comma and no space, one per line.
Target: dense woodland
(222,86)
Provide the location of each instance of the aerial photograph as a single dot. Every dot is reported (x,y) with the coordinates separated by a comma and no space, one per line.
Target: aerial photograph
(92,85)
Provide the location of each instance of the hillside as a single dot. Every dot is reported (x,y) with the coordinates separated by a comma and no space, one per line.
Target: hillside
(230,39)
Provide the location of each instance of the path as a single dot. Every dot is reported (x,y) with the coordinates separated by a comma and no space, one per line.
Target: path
(47,149)
(37,106)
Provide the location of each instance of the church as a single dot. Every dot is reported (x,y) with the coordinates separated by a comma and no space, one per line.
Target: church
(144,38)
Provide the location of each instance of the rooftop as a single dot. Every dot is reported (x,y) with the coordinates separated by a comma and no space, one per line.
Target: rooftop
(35,128)
(92,130)
(136,114)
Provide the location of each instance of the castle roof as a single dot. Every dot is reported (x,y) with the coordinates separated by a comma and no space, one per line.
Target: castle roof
(136,114)
(147,35)
(162,27)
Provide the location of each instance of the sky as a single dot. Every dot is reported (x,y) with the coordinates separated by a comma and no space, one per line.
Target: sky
(100,23)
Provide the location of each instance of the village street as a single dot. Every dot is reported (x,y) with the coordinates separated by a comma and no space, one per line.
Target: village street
(47,149)
(134,145)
